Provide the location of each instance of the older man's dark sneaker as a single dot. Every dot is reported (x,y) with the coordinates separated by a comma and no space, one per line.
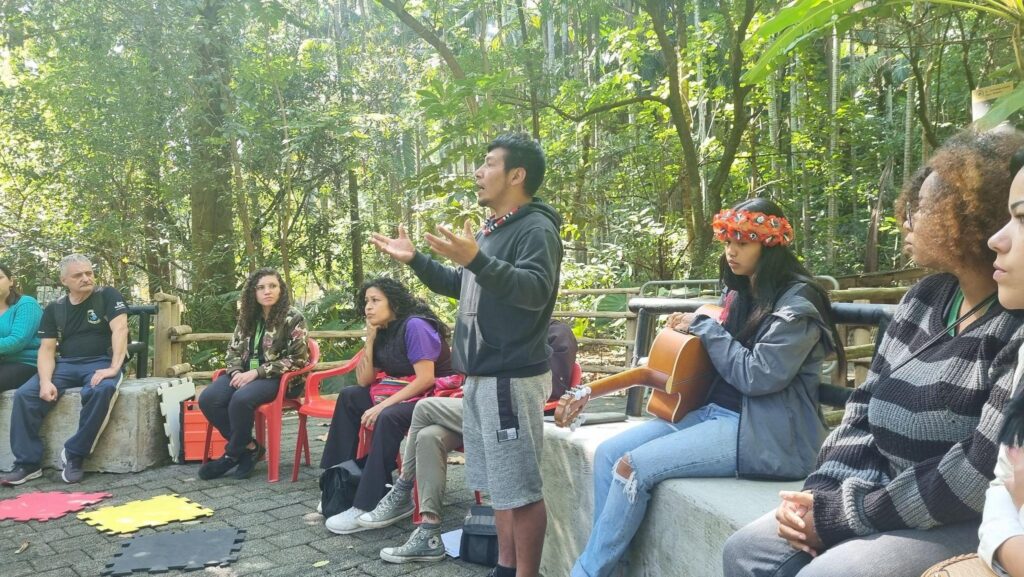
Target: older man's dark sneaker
(20,475)
(248,461)
(73,469)
(217,468)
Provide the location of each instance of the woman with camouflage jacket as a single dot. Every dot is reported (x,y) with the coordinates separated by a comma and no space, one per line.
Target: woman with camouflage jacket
(269,340)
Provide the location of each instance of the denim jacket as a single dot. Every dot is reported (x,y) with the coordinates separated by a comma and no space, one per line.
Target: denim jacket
(781,424)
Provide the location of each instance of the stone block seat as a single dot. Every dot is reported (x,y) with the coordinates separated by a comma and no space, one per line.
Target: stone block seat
(133,440)
(687,522)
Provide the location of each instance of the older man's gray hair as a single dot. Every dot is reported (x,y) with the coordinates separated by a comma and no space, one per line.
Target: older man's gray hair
(72,259)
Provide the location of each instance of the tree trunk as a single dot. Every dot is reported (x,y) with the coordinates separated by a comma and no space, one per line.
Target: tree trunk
(531,71)
(833,142)
(356,238)
(210,189)
(158,258)
(909,166)
(242,203)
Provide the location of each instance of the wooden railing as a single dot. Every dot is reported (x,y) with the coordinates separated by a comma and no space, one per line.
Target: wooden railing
(171,336)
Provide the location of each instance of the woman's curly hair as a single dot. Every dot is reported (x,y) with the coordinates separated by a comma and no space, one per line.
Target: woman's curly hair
(970,197)
(251,312)
(402,302)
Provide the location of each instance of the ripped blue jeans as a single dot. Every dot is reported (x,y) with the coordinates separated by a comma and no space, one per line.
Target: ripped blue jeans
(702,444)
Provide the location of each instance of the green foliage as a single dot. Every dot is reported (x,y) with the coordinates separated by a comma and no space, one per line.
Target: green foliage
(334,119)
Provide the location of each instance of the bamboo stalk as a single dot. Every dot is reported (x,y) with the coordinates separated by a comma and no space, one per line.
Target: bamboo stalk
(603,291)
(593,314)
(868,293)
(609,342)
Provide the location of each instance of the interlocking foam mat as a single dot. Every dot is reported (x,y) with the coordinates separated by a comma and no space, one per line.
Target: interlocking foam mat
(47,506)
(153,512)
(188,550)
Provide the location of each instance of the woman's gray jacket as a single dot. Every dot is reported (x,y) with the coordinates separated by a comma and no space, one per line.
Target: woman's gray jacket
(781,424)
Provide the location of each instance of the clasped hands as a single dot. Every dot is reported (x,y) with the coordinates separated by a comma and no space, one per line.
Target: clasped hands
(795,516)
(459,248)
(240,379)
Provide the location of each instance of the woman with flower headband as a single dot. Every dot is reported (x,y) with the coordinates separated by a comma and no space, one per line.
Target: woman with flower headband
(900,483)
(761,418)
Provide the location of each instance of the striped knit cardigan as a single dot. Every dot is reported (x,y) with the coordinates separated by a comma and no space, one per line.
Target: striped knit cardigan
(917,449)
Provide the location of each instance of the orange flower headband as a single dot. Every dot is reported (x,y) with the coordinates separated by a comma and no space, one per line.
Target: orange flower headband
(746,226)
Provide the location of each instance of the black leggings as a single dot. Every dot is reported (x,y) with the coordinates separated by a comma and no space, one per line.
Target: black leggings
(232,411)
(388,432)
(13,375)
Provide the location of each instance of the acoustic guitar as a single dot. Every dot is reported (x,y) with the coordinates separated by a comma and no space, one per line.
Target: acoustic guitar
(678,372)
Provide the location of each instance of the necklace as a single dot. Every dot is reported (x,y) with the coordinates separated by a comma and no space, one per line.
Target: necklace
(493,223)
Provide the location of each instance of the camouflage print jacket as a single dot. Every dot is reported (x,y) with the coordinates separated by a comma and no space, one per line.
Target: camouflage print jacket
(284,349)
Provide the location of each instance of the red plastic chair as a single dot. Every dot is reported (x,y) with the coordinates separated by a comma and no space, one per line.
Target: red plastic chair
(268,416)
(313,405)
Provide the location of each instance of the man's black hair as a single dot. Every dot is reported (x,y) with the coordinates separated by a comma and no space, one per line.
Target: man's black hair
(521,151)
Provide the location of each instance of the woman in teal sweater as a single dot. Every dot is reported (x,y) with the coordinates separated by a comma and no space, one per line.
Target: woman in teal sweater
(19,323)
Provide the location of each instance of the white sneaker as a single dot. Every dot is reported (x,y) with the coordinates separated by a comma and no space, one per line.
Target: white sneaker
(320,507)
(345,523)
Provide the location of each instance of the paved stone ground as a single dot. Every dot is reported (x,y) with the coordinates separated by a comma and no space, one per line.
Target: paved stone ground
(285,535)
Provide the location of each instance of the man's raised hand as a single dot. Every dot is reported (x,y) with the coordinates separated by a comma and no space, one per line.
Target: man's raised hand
(400,249)
(461,249)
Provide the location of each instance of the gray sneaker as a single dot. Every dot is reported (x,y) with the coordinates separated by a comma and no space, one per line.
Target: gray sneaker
(73,471)
(394,507)
(423,546)
(19,475)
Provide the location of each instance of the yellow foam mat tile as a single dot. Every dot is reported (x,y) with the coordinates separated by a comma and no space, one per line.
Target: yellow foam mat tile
(135,515)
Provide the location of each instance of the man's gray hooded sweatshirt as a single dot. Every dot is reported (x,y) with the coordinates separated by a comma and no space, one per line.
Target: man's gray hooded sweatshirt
(506,295)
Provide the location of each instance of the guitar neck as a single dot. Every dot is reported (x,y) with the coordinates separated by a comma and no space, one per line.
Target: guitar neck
(639,376)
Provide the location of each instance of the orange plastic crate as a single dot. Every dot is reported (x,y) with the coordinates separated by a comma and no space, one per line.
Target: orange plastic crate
(193,432)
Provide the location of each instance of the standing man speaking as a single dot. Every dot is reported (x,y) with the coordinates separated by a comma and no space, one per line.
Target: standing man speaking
(506,283)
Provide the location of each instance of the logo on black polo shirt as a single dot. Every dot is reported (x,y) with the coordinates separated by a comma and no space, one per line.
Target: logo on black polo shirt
(92,317)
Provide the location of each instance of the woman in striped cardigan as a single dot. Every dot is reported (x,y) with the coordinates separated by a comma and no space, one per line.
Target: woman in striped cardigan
(902,480)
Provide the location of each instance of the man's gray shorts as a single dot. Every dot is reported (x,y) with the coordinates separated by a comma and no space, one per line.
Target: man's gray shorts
(503,434)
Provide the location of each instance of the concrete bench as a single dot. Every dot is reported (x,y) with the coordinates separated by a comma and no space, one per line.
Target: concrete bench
(133,440)
(687,522)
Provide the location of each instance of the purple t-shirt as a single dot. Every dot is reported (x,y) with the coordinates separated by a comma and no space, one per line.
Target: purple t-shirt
(422,343)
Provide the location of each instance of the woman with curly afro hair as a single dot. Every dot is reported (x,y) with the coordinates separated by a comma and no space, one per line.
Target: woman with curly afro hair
(900,483)
(405,356)
(269,340)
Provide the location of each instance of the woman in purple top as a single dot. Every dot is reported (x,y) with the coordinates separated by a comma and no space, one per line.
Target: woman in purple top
(406,352)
